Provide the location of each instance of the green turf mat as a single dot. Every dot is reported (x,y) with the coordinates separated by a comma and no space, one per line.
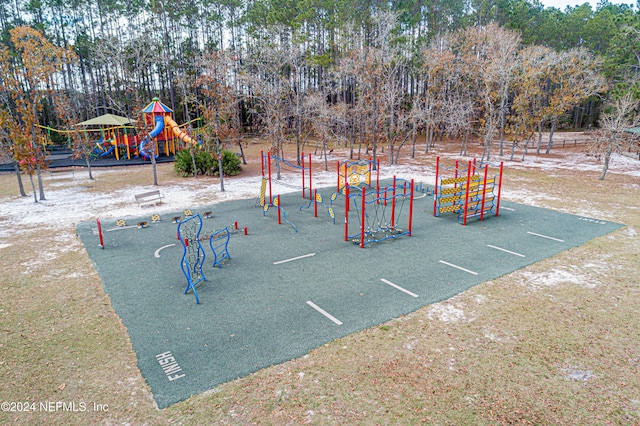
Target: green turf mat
(255,312)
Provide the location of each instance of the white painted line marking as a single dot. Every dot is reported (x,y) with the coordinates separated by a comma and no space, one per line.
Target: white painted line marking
(457,267)
(120,227)
(294,258)
(508,208)
(157,252)
(545,236)
(505,250)
(422,196)
(323,312)
(398,287)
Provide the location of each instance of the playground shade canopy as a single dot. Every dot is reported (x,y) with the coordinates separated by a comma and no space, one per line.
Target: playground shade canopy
(107,120)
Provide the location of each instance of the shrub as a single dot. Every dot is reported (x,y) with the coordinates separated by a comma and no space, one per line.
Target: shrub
(206,164)
(230,164)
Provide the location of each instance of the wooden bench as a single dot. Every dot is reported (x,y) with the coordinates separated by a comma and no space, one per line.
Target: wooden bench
(149,197)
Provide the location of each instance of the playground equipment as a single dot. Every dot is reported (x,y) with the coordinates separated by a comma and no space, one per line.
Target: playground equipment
(467,194)
(356,173)
(423,188)
(159,115)
(381,215)
(100,233)
(116,133)
(317,199)
(194,255)
(103,148)
(275,202)
(282,163)
(219,242)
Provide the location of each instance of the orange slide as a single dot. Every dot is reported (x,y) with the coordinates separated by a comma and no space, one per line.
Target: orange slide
(178,131)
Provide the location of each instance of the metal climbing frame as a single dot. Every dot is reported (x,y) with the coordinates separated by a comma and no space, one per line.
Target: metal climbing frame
(467,194)
(194,255)
(379,212)
(219,243)
(356,173)
(281,162)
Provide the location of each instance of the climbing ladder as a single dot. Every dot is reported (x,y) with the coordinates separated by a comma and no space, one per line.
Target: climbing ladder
(193,258)
(219,243)
(357,173)
(468,194)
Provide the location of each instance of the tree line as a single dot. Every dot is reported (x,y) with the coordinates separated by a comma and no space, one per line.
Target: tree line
(366,74)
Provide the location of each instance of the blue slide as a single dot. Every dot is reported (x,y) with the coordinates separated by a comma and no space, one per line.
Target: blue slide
(142,149)
(159,126)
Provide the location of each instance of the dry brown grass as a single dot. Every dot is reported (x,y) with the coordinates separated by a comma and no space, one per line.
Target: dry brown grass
(520,349)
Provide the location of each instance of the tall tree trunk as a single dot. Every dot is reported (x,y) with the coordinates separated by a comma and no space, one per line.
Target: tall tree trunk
(526,148)
(220,156)
(16,167)
(40,185)
(539,137)
(607,157)
(88,160)
(33,187)
(554,124)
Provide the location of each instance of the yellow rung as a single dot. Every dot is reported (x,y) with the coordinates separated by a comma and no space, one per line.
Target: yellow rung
(449,209)
(450,199)
(453,180)
(445,191)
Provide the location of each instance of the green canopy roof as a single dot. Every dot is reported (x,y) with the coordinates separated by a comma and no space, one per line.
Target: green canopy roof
(107,120)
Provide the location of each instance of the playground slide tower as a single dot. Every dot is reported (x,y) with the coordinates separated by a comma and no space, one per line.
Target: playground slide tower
(160,115)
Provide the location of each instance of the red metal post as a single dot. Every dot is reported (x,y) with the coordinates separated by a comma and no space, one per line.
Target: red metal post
(315,203)
(466,195)
(269,169)
(100,234)
(303,189)
(364,197)
(279,221)
(393,204)
(346,213)
(310,177)
(435,187)
(411,207)
(484,190)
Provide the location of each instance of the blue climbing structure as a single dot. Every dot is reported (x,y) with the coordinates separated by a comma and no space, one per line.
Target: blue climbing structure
(194,255)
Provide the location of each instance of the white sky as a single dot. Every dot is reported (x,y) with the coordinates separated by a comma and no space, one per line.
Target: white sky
(562,4)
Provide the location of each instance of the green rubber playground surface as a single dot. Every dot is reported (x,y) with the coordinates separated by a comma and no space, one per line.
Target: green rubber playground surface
(283,292)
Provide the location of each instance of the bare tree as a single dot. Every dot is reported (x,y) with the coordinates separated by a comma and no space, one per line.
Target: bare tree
(613,136)
(219,106)
(268,80)
(489,54)
(575,77)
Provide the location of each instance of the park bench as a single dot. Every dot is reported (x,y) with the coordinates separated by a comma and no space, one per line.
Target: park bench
(149,197)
